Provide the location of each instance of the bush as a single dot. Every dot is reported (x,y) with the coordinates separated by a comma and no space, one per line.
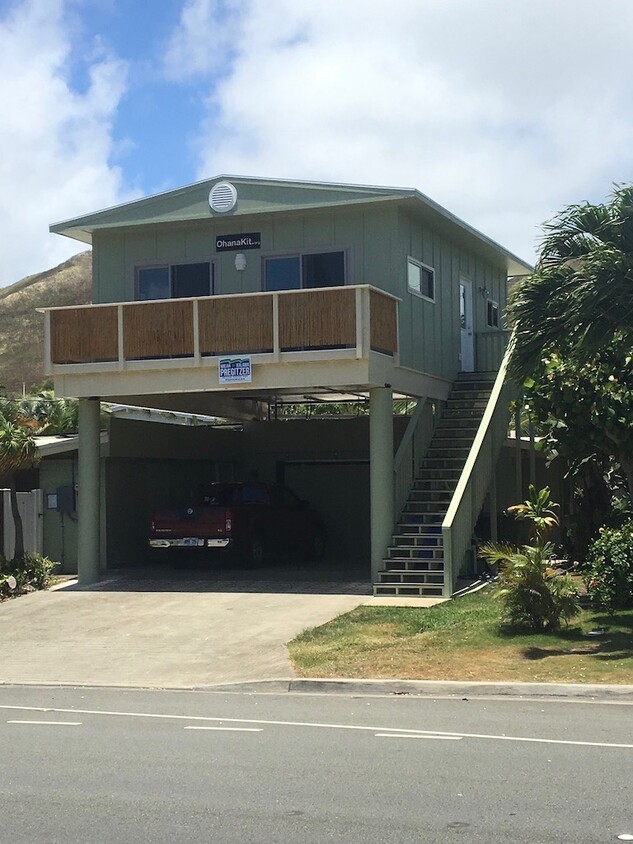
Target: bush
(608,570)
(535,595)
(33,571)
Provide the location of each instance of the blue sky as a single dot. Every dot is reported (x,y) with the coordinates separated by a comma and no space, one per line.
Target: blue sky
(504,112)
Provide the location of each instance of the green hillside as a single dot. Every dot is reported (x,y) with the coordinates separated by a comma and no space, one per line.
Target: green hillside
(22,328)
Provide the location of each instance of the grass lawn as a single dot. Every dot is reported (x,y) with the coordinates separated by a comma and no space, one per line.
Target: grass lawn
(463,640)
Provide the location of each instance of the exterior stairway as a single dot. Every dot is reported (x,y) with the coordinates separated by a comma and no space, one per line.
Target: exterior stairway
(415,562)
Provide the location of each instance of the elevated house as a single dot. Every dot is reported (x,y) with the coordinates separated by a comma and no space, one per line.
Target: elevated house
(233,294)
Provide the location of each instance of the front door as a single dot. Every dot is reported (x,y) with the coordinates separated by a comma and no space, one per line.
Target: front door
(467,336)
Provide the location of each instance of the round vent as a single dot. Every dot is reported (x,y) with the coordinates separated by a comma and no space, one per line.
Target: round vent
(223,197)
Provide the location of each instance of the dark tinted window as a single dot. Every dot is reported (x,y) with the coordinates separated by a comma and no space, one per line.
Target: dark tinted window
(153,283)
(190,280)
(282,273)
(326,269)
(254,494)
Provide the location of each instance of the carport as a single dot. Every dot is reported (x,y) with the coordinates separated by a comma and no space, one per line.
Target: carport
(323,459)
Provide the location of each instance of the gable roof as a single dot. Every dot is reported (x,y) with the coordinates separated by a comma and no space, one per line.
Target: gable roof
(270,196)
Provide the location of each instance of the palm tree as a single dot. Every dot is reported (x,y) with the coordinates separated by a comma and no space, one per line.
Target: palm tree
(581,295)
(18,451)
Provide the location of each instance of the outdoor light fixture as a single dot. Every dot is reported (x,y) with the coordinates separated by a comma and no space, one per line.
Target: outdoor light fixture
(240,261)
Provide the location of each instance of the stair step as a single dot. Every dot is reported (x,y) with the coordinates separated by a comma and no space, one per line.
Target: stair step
(420,590)
(417,540)
(430,495)
(436,484)
(415,552)
(417,578)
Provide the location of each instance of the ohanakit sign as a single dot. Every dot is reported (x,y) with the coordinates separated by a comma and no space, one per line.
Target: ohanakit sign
(237,242)
(235,370)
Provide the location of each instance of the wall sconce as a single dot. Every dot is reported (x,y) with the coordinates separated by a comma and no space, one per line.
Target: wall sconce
(240,261)
(484,292)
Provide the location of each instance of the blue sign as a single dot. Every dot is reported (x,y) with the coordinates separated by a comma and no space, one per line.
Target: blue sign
(235,370)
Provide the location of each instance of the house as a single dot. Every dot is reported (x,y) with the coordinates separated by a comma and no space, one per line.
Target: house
(235,295)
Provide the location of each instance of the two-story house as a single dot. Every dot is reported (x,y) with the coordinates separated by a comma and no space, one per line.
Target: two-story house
(228,294)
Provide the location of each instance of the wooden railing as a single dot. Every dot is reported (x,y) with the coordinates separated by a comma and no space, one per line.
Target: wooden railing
(490,348)
(359,318)
(474,482)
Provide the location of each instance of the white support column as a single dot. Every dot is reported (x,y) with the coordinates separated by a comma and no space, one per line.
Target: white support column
(89,491)
(380,473)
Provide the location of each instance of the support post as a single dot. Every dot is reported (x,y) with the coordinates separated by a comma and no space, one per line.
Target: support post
(492,503)
(380,473)
(89,491)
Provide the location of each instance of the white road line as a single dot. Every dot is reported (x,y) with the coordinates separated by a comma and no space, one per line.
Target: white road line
(313,724)
(49,723)
(230,729)
(408,735)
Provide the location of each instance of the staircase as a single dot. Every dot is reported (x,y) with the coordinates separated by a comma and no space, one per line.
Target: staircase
(415,561)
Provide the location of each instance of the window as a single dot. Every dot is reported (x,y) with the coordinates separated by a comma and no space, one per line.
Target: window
(493,314)
(178,281)
(421,279)
(313,269)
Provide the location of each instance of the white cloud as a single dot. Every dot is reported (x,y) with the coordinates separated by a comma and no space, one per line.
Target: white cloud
(503,112)
(55,142)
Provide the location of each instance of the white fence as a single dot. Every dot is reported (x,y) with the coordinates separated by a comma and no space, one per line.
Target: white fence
(31,509)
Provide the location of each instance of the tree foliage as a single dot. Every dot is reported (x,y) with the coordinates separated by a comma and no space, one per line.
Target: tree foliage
(573,347)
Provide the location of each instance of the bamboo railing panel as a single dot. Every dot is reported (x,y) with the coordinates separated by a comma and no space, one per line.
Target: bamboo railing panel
(236,325)
(317,319)
(158,330)
(383,323)
(84,335)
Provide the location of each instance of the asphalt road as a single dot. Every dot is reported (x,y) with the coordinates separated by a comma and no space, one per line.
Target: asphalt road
(107,765)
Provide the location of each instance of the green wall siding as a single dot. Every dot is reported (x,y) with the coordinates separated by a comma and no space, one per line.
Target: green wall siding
(377,240)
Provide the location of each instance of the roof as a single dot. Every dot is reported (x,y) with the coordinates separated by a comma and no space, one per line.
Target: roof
(273,196)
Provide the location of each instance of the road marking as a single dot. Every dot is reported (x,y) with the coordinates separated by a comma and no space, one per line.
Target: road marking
(49,723)
(415,736)
(230,729)
(312,724)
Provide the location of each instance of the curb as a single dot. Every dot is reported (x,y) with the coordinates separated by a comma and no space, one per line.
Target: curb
(433,688)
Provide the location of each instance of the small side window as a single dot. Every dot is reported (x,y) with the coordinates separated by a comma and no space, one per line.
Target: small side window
(493,314)
(421,279)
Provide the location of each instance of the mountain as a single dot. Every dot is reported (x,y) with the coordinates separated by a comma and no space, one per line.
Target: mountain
(22,327)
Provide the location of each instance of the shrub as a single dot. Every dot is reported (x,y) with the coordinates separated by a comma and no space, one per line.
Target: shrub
(32,571)
(608,570)
(535,595)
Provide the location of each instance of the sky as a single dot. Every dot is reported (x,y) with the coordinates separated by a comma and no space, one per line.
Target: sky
(503,112)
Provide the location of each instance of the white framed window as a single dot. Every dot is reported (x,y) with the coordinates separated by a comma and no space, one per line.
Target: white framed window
(492,313)
(420,279)
(174,281)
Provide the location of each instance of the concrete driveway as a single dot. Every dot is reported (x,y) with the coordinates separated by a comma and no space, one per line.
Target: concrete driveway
(165,632)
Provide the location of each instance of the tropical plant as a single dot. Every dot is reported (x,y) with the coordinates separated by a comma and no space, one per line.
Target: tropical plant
(581,295)
(51,414)
(18,452)
(539,511)
(608,570)
(535,595)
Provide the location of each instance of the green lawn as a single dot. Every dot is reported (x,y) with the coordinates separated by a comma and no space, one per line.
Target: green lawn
(463,639)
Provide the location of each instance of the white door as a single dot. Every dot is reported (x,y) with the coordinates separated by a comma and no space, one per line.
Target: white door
(467,335)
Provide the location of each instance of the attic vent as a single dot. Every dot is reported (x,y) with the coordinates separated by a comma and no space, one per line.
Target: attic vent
(223,197)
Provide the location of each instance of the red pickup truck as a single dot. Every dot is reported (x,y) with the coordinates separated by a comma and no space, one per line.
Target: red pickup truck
(253,519)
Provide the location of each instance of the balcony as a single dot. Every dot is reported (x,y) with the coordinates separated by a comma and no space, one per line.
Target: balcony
(99,348)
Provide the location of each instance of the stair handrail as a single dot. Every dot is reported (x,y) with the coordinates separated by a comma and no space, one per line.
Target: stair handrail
(460,518)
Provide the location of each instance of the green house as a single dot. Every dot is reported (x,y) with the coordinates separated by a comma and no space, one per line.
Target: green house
(235,295)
